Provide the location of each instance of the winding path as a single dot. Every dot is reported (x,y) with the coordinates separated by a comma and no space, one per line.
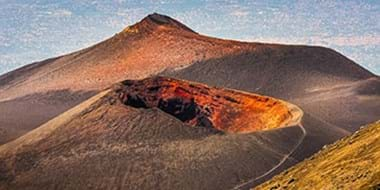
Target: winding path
(298,118)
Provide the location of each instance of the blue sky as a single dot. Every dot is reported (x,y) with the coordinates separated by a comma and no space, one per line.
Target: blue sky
(33,30)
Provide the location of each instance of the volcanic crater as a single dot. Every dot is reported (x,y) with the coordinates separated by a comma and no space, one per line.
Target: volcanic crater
(202,106)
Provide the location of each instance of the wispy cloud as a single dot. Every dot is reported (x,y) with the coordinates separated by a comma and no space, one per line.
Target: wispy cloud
(239,13)
(60,13)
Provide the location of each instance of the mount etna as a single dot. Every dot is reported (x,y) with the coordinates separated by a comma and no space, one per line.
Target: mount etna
(159,106)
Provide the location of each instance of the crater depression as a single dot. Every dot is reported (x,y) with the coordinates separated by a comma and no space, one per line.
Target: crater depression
(199,105)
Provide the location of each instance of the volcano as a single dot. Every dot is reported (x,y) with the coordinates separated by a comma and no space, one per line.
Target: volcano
(153,134)
(173,106)
(147,48)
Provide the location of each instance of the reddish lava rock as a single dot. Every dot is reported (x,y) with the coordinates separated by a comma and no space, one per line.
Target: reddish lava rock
(203,106)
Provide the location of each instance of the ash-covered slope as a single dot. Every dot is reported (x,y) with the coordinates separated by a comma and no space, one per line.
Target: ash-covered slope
(336,95)
(289,71)
(155,43)
(160,43)
(350,163)
(107,142)
(321,80)
(146,48)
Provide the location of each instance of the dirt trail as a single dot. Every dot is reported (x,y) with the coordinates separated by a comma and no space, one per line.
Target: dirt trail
(297,114)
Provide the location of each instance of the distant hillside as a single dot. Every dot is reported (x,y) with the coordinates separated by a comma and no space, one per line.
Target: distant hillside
(350,163)
(335,94)
(323,82)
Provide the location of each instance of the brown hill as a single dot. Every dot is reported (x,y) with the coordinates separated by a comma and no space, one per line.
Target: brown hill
(336,94)
(350,163)
(146,48)
(318,79)
(160,43)
(107,142)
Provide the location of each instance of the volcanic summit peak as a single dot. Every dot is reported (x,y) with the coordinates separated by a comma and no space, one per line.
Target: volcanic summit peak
(160,19)
(155,20)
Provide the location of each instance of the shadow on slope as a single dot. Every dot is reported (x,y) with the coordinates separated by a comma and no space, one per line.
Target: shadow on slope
(19,115)
(286,72)
(336,94)
(317,79)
